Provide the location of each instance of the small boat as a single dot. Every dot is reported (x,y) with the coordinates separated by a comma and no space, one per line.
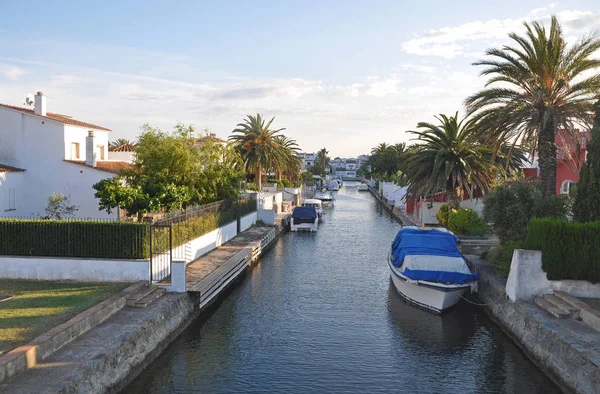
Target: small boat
(304,219)
(316,204)
(334,185)
(363,187)
(324,195)
(428,270)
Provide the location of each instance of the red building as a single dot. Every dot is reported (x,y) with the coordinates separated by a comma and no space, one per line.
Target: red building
(570,157)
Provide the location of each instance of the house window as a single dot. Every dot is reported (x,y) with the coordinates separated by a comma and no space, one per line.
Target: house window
(74,150)
(100,149)
(565,187)
(10,200)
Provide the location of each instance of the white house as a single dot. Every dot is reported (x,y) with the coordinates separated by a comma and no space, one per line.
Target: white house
(308,160)
(42,153)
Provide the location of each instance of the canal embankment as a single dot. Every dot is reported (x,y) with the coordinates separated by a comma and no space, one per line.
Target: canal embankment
(567,350)
(111,354)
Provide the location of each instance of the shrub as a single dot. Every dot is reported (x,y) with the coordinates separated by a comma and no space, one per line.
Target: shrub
(442,215)
(511,206)
(252,186)
(466,221)
(81,238)
(501,256)
(570,250)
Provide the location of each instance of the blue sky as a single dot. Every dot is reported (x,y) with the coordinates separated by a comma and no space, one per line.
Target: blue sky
(346,75)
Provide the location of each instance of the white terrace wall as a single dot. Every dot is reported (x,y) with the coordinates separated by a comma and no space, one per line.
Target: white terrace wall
(212,240)
(247,221)
(77,269)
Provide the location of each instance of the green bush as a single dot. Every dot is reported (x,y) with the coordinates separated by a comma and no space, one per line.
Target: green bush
(511,206)
(442,215)
(570,250)
(466,221)
(252,186)
(501,256)
(59,238)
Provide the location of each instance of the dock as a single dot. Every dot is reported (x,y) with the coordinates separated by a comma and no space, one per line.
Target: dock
(209,275)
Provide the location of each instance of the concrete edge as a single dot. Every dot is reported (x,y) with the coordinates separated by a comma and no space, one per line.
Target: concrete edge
(562,362)
(27,356)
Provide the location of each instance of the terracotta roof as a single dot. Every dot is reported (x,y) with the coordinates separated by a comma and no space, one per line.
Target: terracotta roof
(108,166)
(65,119)
(123,148)
(5,168)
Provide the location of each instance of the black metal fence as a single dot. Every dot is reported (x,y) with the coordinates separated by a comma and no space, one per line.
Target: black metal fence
(186,225)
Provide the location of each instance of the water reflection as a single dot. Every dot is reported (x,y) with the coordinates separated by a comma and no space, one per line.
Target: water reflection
(318,314)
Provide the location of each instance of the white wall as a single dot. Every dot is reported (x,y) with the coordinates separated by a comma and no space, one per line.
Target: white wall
(39,145)
(11,192)
(86,270)
(212,240)
(78,135)
(247,221)
(267,216)
(270,200)
(121,156)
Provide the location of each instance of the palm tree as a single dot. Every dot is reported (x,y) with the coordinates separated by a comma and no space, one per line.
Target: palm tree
(387,160)
(536,87)
(449,157)
(287,159)
(322,162)
(257,144)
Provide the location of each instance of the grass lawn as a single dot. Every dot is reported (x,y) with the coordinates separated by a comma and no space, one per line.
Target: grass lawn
(36,307)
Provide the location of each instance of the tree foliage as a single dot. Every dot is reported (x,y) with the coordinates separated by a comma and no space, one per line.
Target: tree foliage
(587,201)
(60,207)
(536,87)
(171,171)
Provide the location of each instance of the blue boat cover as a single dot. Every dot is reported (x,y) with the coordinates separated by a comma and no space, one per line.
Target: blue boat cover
(416,242)
(304,213)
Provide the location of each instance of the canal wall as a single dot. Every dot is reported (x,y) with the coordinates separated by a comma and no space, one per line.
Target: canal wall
(566,350)
(109,356)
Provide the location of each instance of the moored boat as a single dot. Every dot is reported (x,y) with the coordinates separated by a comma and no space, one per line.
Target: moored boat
(363,187)
(428,270)
(304,219)
(325,196)
(316,204)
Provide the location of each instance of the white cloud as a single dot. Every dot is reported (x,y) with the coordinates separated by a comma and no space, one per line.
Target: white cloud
(451,41)
(11,72)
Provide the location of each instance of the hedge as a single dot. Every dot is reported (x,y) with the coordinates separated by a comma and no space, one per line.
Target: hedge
(60,238)
(570,250)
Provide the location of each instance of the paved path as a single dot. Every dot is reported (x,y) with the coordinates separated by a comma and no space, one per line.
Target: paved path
(198,270)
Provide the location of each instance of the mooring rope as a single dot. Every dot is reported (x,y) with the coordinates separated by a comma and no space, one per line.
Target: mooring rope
(486,304)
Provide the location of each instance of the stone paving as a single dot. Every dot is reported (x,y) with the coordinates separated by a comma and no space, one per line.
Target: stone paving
(202,267)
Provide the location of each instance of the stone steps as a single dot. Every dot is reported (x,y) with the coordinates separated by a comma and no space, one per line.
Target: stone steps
(563,305)
(552,308)
(145,296)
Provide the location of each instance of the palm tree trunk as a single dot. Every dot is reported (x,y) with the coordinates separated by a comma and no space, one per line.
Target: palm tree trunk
(259,177)
(279,175)
(454,198)
(547,156)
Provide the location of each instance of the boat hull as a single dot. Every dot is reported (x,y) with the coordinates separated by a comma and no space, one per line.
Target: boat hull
(435,297)
(312,227)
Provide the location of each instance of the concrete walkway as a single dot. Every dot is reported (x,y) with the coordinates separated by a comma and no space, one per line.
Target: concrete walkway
(199,270)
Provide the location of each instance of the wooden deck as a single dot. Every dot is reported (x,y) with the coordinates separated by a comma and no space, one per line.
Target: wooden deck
(210,274)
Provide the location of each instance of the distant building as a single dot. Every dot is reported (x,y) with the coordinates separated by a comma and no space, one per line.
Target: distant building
(42,153)
(308,160)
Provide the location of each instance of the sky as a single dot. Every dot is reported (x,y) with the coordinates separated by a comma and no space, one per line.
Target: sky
(345,75)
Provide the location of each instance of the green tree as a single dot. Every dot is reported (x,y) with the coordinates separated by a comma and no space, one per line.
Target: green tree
(171,171)
(287,162)
(587,200)
(536,87)
(60,207)
(257,144)
(321,163)
(449,157)
(387,161)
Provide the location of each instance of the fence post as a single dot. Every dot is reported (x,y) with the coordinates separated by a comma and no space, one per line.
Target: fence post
(238,217)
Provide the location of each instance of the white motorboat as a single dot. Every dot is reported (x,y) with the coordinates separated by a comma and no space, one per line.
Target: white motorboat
(316,204)
(428,270)
(363,187)
(304,219)
(334,185)
(325,196)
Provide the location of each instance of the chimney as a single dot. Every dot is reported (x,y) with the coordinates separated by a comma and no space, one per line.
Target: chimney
(90,149)
(40,104)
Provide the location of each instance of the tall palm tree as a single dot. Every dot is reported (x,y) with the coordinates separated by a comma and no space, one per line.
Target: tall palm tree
(257,144)
(536,87)
(449,157)
(387,160)
(287,159)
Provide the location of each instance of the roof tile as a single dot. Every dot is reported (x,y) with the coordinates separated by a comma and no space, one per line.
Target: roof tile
(65,119)
(108,166)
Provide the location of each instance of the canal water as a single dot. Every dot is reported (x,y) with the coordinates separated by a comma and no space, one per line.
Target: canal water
(319,314)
